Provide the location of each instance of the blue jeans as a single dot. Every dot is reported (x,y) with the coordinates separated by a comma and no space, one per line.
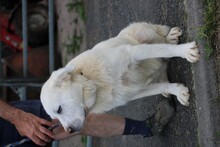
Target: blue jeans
(8,132)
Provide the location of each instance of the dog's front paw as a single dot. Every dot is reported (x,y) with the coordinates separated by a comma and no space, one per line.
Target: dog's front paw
(182,94)
(173,35)
(192,52)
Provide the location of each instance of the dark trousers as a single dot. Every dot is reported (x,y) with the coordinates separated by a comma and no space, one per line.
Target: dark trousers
(8,132)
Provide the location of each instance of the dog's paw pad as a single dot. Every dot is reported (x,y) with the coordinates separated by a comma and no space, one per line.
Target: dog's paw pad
(192,54)
(182,94)
(173,35)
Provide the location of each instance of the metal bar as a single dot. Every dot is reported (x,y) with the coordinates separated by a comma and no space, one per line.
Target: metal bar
(33,80)
(22,82)
(51,35)
(89,141)
(25,44)
(1,50)
(51,44)
(21,85)
(25,37)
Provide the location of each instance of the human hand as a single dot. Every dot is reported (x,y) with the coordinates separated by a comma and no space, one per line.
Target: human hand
(32,127)
(60,133)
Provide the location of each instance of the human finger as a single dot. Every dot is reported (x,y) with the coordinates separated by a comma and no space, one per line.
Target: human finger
(38,141)
(46,131)
(43,136)
(45,122)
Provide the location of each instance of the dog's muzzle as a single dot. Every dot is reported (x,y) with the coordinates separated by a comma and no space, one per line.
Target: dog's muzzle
(77,124)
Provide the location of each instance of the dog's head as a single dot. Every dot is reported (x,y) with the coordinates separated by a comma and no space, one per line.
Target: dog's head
(66,95)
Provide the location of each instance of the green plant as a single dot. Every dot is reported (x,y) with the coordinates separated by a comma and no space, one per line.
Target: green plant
(207,31)
(217,138)
(78,7)
(75,42)
(84,140)
(218,134)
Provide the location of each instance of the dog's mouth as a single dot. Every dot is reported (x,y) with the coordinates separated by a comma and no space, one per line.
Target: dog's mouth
(86,110)
(77,128)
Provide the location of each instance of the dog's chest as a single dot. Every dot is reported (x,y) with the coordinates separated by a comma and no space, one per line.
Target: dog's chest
(142,73)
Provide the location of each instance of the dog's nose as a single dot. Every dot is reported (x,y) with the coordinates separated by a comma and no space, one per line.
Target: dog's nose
(70,130)
(77,129)
(76,126)
(74,129)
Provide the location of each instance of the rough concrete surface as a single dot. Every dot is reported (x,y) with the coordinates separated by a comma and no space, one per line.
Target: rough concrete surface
(193,126)
(66,27)
(206,94)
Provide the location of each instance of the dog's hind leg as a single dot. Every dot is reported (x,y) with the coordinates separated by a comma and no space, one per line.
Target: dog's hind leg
(150,33)
(179,90)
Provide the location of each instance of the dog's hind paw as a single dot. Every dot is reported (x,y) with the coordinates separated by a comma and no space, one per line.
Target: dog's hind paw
(182,94)
(173,35)
(192,52)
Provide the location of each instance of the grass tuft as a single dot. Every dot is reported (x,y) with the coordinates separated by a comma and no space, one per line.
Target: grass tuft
(84,140)
(208,31)
(75,42)
(78,7)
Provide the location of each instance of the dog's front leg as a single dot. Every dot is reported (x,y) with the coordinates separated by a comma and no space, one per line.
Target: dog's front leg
(189,51)
(179,90)
(89,93)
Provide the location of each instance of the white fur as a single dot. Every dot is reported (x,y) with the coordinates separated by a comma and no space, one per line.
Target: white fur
(126,67)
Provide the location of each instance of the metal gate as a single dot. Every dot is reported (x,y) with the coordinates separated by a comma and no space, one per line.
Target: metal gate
(24,82)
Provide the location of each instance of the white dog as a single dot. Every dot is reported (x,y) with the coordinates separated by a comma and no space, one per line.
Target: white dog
(124,68)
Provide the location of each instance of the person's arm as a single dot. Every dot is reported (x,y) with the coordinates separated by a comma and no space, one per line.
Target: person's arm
(27,124)
(100,125)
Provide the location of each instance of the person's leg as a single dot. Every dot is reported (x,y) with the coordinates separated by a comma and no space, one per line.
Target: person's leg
(8,132)
(103,125)
(108,125)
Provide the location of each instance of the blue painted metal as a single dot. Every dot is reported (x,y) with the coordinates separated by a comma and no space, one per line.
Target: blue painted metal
(51,44)
(89,141)
(25,38)
(1,50)
(51,35)
(25,46)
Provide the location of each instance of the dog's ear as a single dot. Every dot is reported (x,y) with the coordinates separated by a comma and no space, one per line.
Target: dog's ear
(62,77)
(89,93)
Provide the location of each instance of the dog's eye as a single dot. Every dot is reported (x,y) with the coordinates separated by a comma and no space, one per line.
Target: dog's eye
(59,110)
(81,73)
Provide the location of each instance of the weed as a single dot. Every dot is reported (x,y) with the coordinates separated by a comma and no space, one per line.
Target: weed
(75,42)
(208,31)
(216,138)
(84,140)
(78,7)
